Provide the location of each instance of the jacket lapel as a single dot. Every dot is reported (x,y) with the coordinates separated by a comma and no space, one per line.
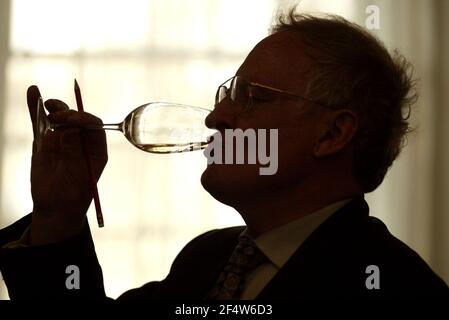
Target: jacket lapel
(199,270)
(321,261)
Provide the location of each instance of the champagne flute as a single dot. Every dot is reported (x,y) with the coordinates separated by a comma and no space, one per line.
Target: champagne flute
(156,127)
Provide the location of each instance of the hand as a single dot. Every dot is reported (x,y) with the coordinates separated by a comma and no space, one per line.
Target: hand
(59,176)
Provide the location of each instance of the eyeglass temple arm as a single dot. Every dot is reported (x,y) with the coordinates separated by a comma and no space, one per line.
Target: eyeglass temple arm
(287,92)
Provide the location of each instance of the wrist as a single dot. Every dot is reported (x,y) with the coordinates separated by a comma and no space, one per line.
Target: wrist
(47,229)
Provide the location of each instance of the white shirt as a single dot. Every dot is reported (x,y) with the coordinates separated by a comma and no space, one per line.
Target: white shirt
(279,244)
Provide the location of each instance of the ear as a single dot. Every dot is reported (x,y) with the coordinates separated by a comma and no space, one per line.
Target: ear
(335,133)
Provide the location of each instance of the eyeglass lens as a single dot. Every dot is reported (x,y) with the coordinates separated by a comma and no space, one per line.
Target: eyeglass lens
(237,90)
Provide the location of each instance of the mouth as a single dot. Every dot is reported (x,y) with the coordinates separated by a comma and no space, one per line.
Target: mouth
(210,154)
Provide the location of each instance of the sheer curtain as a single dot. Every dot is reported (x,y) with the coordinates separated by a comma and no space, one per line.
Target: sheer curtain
(413,200)
(126,53)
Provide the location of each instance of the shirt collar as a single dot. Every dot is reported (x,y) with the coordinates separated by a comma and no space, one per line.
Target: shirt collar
(279,244)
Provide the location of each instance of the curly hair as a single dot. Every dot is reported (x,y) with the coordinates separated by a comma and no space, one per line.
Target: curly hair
(350,68)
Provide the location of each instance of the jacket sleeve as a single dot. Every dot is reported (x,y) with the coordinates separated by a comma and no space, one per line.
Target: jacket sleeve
(65,270)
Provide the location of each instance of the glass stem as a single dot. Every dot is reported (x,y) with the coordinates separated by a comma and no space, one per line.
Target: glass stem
(112,126)
(105,126)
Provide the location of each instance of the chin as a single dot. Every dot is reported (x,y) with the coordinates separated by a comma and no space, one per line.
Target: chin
(229,183)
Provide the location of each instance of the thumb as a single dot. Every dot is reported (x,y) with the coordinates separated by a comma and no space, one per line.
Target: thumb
(33,96)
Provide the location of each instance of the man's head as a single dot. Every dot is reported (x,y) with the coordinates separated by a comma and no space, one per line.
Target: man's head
(350,127)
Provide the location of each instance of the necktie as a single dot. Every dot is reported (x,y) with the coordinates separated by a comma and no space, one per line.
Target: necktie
(245,258)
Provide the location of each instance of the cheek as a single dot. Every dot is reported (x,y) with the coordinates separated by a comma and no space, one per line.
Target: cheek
(295,152)
(287,159)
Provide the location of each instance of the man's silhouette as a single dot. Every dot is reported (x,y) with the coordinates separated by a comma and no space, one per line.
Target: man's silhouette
(339,101)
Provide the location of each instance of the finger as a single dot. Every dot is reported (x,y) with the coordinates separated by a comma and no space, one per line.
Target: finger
(84,118)
(76,142)
(95,143)
(33,96)
(74,118)
(55,105)
(93,139)
(54,140)
(70,141)
(50,143)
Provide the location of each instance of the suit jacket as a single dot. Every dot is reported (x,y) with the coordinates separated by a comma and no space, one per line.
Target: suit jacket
(332,262)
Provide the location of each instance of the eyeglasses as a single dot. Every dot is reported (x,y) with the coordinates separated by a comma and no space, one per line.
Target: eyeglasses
(244,93)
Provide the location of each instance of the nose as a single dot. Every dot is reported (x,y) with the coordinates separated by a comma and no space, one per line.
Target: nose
(222,117)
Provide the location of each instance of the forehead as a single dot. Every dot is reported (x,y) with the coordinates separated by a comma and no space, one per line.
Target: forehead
(278,60)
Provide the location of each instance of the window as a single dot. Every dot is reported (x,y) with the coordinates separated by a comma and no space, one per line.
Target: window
(124,54)
(127,53)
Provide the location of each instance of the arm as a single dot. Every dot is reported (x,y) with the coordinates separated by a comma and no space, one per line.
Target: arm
(59,234)
(41,272)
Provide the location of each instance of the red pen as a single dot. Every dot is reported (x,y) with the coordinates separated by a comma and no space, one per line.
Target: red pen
(93,185)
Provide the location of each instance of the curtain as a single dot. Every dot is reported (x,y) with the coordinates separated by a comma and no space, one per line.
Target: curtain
(413,199)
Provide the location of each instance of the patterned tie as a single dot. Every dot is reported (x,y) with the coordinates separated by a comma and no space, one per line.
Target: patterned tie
(245,258)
